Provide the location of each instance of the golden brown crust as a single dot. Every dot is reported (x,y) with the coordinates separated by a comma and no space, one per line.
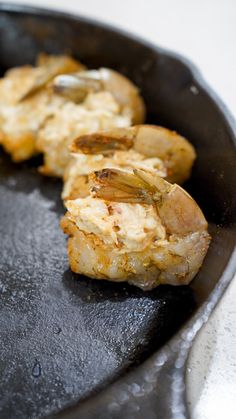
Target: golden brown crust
(78,189)
(21,146)
(21,120)
(174,262)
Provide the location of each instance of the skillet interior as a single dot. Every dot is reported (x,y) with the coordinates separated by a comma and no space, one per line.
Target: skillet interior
(63,339)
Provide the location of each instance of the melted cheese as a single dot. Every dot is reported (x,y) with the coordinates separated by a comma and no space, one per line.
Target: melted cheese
(128,227)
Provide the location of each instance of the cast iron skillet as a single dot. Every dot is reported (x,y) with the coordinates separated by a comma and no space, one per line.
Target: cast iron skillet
(119,352)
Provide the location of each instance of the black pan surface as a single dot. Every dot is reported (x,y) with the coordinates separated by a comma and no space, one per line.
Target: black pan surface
(65,338)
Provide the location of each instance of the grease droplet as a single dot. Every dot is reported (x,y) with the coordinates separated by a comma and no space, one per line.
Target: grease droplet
(36,370)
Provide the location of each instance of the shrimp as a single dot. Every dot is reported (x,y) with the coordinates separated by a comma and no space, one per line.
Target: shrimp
(98,100)
(99,111)
(76,174)
(51,66)
(147,147)
(135,227)
(77,86)
(26,103)
(174,150)
(75,178)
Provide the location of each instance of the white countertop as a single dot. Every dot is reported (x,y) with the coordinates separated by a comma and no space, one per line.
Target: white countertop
(205,32)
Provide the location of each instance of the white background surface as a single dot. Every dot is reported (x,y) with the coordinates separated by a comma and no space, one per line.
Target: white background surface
(205,32)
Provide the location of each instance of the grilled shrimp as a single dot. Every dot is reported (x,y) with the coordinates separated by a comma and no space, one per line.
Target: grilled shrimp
(76,183)
(77,86)
(136,227)
(99,111)
(26,103)
(145,147)
(151,141)
(51,66)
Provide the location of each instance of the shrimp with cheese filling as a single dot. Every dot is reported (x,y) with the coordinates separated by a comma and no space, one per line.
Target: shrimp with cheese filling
(26,103)
(146,147)
(97,100)
(99,111)
(135,227)
(77,86)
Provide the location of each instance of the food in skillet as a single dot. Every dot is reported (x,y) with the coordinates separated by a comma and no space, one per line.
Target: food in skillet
(135,227)
(43,108)
(96,100)
(99,111)
(147,147)
(26,102)
(125,222)
(77,86)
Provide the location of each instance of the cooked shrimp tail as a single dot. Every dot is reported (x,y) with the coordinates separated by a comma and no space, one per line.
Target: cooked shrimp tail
(119,186)
(174,150)
(77,86)
(178,211)
(51,66)
(102,142)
